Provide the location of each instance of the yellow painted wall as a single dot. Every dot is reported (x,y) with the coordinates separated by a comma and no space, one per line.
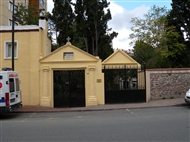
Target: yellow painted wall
(141,79)
(27,64)
(31,47)
(94,78)
(120,59)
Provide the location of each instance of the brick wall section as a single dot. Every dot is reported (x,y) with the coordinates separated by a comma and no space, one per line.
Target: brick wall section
(168,83)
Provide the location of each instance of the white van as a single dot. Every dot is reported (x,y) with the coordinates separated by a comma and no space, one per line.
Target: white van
(10,93)
(187,97)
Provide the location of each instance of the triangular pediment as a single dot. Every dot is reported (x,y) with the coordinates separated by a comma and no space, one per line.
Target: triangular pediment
(120,58)
(69,53)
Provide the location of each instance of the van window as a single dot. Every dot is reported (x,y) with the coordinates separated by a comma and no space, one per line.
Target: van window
(17,85)
(11,85)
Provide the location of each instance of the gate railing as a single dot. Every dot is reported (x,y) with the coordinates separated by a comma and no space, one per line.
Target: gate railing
(122,77)
(124,84)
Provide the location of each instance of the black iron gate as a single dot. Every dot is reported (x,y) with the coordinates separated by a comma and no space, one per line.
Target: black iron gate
(124,85)
(69,88)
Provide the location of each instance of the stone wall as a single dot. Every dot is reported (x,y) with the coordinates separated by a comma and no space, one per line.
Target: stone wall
(167,83)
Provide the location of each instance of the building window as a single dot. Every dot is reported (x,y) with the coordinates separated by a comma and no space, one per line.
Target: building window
(10,23)
(41,2)
(11,7)
(8,50)
(26,2)
(41,8)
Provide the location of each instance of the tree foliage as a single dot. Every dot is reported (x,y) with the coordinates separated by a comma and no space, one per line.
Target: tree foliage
(25,15)
(92,18)
(146,54)
(179,17)
(155,30)
(85,23)
(172,48)
(62,19)
(150,28)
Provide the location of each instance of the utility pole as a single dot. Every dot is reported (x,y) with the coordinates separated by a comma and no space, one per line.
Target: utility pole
(13,28)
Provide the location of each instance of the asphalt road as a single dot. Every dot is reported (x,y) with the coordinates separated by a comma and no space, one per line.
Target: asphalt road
(149,124)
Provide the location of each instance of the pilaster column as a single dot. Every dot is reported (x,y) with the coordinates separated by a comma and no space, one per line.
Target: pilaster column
(92,100)
(45,98)
(45,82)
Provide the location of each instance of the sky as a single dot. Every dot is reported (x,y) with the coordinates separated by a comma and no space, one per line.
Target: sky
(122,11)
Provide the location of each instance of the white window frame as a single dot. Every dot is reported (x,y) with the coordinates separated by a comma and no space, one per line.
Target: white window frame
(11,6)
(10,23)
(8,54)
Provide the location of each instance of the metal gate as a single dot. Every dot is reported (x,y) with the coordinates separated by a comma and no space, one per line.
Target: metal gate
(69,88)
(124,85)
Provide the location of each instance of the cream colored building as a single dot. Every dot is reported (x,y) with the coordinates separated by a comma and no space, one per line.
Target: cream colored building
(31,44)
(7,5)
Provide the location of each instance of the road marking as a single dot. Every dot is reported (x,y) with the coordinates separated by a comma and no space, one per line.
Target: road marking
(32,115)
(131,112)
(53,118)
(28,117)
(24,120)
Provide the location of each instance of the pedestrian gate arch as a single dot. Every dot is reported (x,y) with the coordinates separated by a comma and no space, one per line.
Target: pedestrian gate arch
(124,79)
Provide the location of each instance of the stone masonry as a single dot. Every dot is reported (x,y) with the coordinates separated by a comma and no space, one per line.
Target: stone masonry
(168,84)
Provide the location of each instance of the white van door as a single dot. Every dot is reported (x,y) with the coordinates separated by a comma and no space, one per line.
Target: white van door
(14,89)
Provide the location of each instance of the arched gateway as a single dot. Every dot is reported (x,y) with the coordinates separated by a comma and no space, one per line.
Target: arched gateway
(70,77)
(124,79)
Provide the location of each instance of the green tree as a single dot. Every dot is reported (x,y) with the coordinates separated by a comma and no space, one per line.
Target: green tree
(25,15)
(172,49)
(62,19)
(150,28)
(179,17)
(77,39)
(144,53)
(155,30)
(92,18)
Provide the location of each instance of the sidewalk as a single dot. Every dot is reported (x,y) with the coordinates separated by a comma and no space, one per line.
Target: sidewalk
(157,103)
